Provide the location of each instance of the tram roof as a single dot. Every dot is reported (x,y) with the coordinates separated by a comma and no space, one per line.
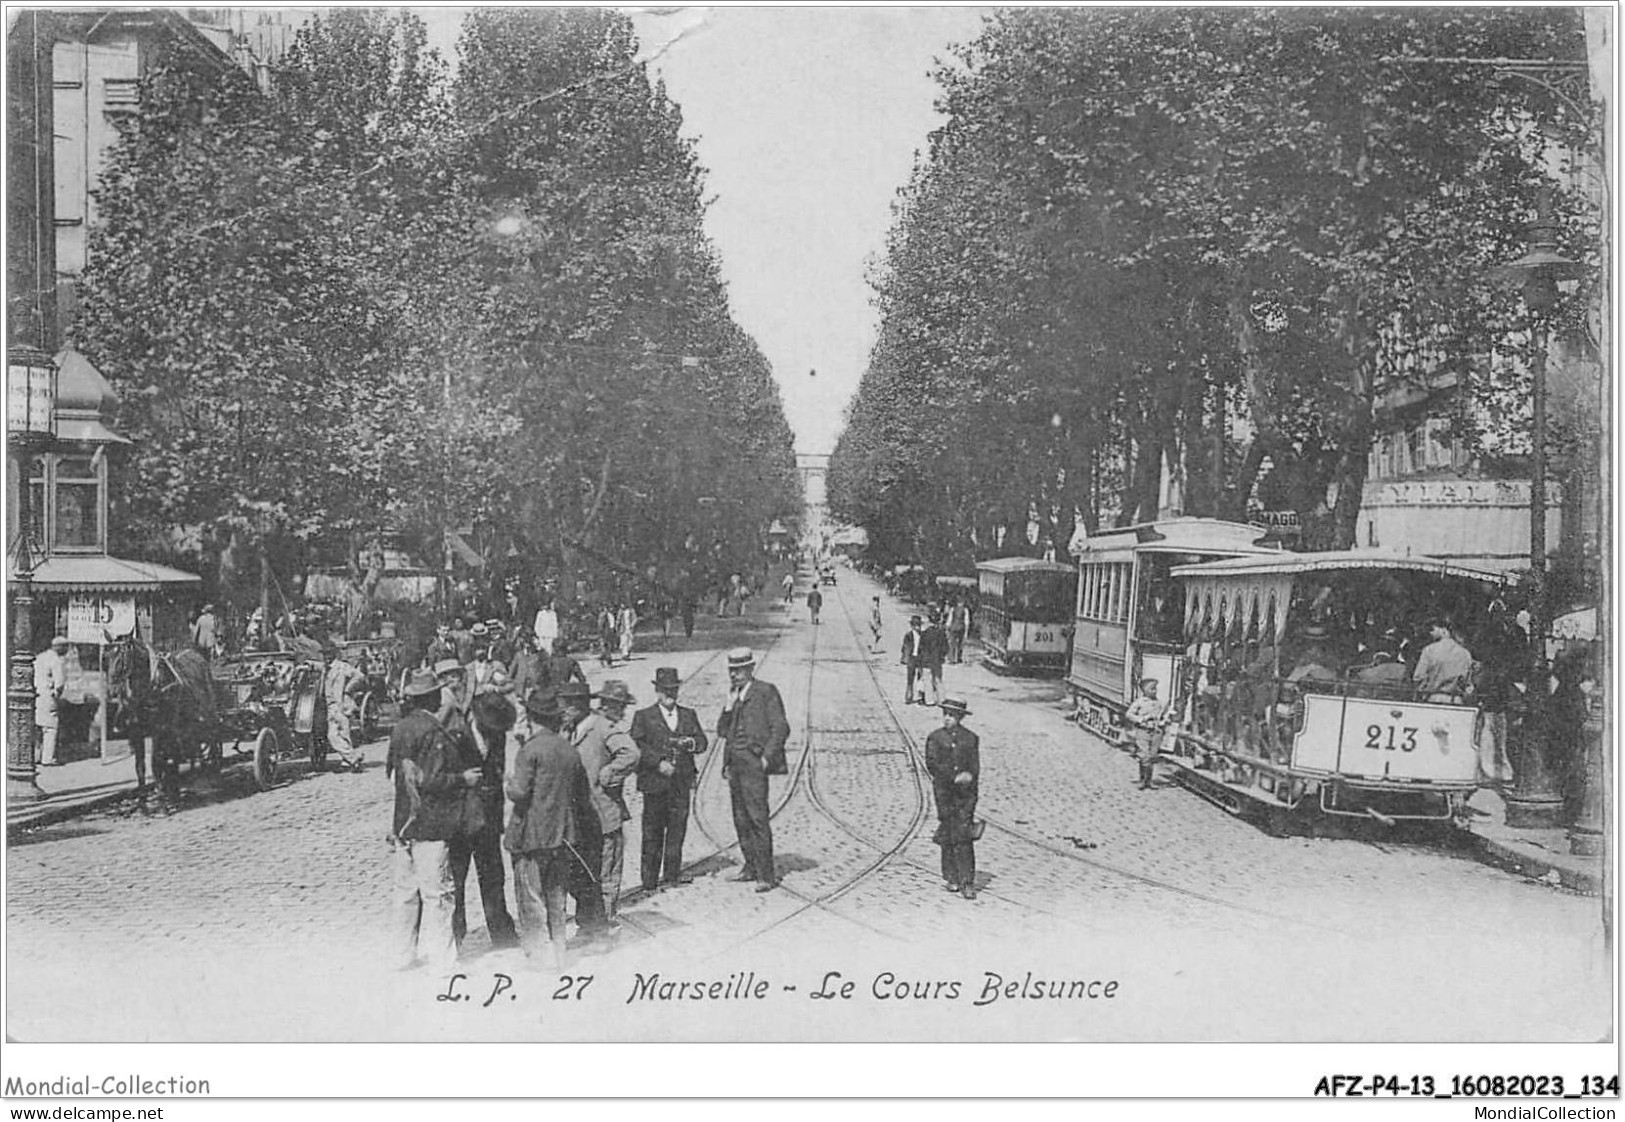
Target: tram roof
(1188,534)
(1292,564)
(1021,565)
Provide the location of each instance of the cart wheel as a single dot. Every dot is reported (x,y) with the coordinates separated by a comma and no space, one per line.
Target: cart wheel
(265,760)
(369,717)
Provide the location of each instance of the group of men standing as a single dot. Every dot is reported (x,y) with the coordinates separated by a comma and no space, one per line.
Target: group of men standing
(567,786)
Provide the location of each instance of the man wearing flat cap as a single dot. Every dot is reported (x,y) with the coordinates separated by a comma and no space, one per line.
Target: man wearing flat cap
(953,760)
(754,729)
(552,808)
(609,756)
(668,736)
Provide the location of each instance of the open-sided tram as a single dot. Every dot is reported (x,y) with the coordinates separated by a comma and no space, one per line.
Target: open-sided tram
(1025,612)
(1307,682)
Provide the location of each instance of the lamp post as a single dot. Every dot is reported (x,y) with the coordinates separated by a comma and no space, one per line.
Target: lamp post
(1536,803)
(30,428)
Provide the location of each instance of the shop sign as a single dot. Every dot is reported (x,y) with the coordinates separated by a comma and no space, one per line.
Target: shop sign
(91,619)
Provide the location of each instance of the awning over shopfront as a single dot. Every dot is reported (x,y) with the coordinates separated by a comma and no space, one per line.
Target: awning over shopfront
(109,574)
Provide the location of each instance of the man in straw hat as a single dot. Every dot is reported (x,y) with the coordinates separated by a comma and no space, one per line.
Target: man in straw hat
(953,760)
(609,756)
(754,729)
(552,809)
(668,736)
(429,801)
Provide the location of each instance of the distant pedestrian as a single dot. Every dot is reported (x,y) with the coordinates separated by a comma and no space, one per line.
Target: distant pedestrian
(441,648)
(958,630)
(546,628)
(552,809)
(429,803)
(875,624)
(789,587)
(206,632)
(913,661)
(953,760)
(688,616)
(560,669)
(50,682)
(933,649)
(668,736)
(815,602)
(608,635)
(627,622)
(754,730)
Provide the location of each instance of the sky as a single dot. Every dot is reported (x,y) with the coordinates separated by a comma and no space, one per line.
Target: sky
(807,120)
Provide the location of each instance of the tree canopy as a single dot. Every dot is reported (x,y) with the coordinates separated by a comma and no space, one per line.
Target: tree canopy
(1193,246)
(376,299)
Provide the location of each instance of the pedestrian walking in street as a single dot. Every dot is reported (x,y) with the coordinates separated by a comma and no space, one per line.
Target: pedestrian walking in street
(789,587)
(753,730)
(953,760)
(607,751)
(560,668)
(628,624)
(688,616)
(913,661)
(428,813)
(815,602)
(958,629)
(546,628)
(484,746)
(206,633)
(668,736)
(441,648)
(933,649)
(608,636)
(875,624)
(50,681)
(1145,718)
(552,808)
(455,696)
(462,637)
(482,665)
(341,683)
(526,673)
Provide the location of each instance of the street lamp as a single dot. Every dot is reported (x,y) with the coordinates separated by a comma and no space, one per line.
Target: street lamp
(30,428)
(1536,803)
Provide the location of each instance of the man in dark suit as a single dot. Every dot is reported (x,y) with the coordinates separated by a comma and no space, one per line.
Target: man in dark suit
(754,729)
(953,760)
(933,649)
(913,658)
(668,737)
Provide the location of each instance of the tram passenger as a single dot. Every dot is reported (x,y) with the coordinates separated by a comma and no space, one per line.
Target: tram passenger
(1445,668)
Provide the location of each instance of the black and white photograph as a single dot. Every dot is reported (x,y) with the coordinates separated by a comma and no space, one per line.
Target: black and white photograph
(819,526)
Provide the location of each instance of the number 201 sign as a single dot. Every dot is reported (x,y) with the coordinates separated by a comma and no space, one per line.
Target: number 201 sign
(1371,739)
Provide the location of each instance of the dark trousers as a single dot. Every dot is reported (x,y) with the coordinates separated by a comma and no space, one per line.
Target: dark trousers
(585,887)
(485,850)
(959,863)
(914,669)
(665,824)
(747,786)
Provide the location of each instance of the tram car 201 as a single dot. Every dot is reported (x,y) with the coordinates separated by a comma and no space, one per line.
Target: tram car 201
(1338,682)
(1128,624)
(1025,612)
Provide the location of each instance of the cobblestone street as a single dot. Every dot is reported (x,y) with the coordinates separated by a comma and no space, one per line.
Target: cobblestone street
(246,916)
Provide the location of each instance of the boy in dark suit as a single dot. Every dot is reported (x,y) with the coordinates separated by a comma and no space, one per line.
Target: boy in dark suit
(668,737)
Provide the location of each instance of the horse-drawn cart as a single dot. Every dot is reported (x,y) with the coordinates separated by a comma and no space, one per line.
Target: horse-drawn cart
(275,700)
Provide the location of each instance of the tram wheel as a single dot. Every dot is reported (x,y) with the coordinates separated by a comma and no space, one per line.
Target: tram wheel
(265,760)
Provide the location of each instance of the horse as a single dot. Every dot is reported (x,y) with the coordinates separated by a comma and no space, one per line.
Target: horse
(167,700)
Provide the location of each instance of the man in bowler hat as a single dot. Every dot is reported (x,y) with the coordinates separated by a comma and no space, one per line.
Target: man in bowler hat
(754,728)
(953,760)
(668,736)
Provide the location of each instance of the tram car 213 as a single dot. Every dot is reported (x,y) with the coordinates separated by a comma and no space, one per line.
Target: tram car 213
(1025,610)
